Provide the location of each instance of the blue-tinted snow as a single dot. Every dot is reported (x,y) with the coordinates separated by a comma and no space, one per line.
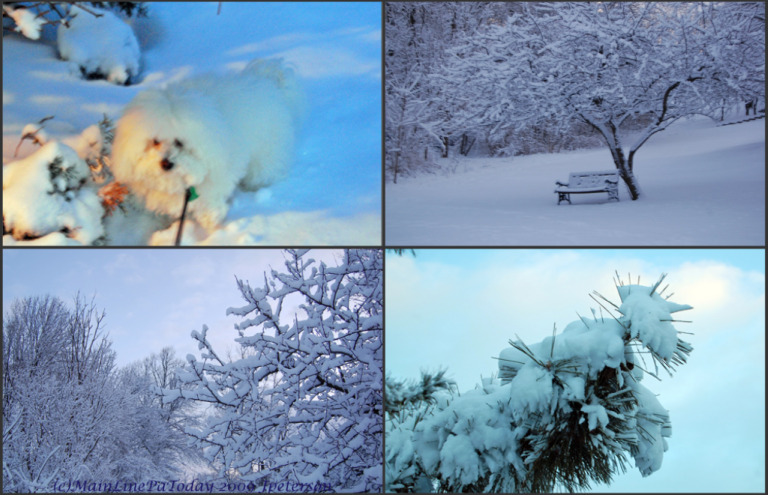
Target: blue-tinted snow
(702,185)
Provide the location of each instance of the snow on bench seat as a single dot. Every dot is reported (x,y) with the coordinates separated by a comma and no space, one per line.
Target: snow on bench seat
(589,182)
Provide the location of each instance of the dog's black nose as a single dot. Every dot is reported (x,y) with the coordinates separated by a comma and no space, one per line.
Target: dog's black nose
(166,164)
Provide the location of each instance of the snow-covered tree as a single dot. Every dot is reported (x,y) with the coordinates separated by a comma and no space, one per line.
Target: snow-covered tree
(563,413)
(58,409)
(153,443)
(419,117)
(68,413)
(612,66)
(302,402)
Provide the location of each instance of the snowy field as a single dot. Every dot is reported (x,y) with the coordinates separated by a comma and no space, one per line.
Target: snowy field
(703,185)
(333,193)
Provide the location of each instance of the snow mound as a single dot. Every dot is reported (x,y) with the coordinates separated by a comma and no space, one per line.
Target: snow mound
(62,201)
(102,46)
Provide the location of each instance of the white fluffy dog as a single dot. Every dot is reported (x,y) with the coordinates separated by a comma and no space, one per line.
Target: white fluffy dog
(213,133)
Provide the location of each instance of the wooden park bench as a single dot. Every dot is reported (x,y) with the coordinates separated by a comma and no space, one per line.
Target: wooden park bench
(589,182)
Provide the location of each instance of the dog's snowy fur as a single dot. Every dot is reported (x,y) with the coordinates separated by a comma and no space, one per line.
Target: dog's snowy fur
(211,132)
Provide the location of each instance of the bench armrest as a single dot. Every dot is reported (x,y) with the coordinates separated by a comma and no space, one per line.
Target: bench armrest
(558,183)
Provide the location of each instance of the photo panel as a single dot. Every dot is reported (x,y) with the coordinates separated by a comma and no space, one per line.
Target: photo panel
(193,370)
(123,125)
(545,370)
(574,124)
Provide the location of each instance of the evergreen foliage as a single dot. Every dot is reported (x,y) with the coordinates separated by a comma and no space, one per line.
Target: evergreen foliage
(564,413)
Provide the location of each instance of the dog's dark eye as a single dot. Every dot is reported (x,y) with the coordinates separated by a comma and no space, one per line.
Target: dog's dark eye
(155,142)
(178,143)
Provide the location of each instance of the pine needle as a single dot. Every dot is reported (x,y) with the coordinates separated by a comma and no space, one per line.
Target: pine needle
(552,349)
(605,299)
(601,304)
(582,319)
(656,285)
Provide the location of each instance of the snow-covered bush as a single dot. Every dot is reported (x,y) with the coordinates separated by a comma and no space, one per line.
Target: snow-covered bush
(27,21)
(564,412)
(50,192)
(99,45)
(303,403)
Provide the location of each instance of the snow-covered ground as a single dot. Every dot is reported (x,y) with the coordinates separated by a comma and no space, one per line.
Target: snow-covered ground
(702,185)
(332,196)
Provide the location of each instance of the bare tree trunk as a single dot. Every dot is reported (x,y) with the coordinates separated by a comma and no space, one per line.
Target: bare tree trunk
(628,176)
(751,105)
(623,163)
(625,168)
(396,160)
(466,144)
(394,167)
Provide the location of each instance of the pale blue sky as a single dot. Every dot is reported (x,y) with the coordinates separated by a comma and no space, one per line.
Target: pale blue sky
(153,297)
(457,309)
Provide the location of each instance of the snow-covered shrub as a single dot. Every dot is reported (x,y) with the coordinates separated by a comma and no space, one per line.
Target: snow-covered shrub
(564,412)
(27,21)
(50,192)
(99,45)
(303,403)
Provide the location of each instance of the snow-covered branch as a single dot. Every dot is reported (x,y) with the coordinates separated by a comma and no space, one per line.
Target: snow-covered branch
(563,413)
(305,399)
